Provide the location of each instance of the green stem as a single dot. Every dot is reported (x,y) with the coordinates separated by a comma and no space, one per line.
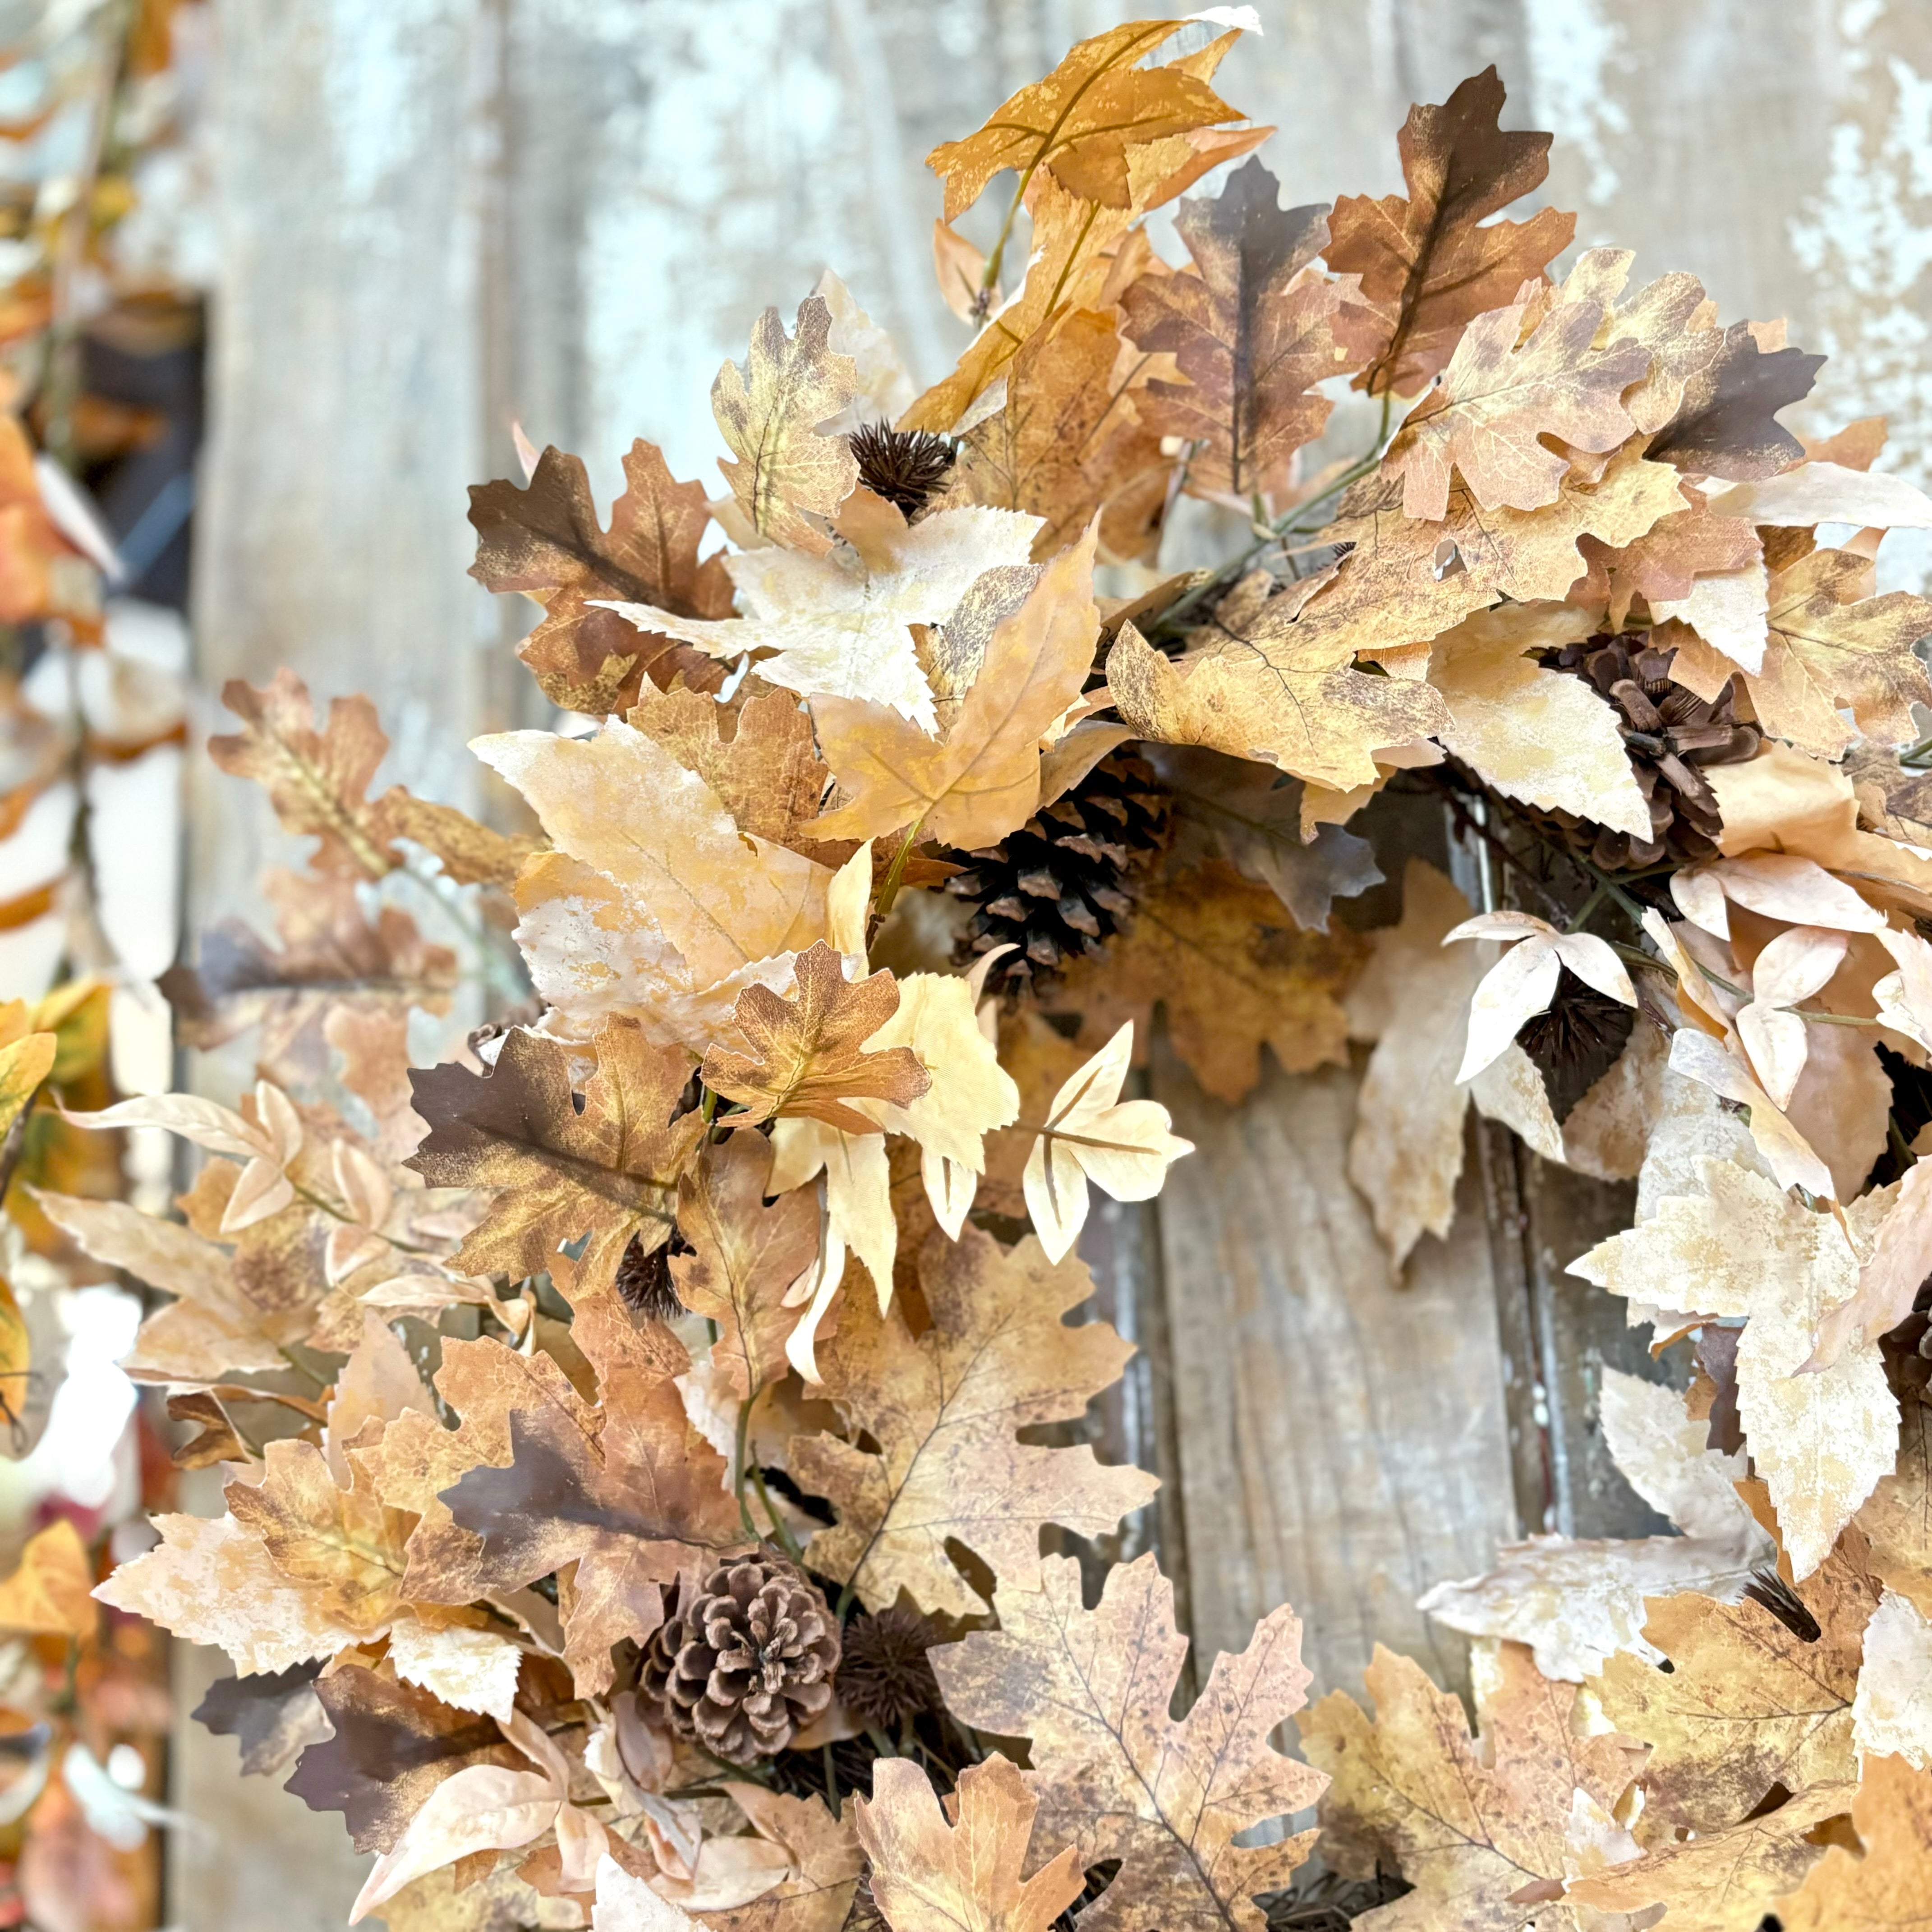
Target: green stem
(1590,905)
(786,1540)
(889,891)
(831,1780)
(739,1457)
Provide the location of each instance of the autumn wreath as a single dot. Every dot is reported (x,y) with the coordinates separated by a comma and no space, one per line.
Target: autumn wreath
(653,1532)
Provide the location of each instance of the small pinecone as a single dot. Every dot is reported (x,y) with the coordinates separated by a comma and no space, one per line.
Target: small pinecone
(644,1284)
(746,1661)
(1576,1041)
(906,466)
(1669,734)
(885,1677)
(1063,883)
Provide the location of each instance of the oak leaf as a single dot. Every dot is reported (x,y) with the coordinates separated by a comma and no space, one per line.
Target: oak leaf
(1747,1702)
(788,479)
(1252,331)
(630,1502)
(1487,1831)
(1115,1773)
(947,1410)
(1213,948)
(930,1873)
(1830,648)
(982,781)
(1741,1246)
(546,541)
(1080,120)
(1504,390)
(1885,1884)
(1425,264)
(1665,565)
(1725,424)
(608,1172)
(808,1054)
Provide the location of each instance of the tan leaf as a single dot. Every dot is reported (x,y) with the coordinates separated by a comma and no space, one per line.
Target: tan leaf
(1427,262)
(946,1410)
(809,1054)
(1115,1773)
(1741,1246)
(471,854)
(1252,331)
(983,781)
(1504,390)
(1885,1884)
(816,1894)
(609,1172)
(546,542)
(1896,1518)
(50,1593)
(931,1874)
(1211,947)
(1746,1704)
(1487,1831)
(1829,647)
(1665,565)
(1891,1715)
(467,1669)
(1522,983)
(788,479)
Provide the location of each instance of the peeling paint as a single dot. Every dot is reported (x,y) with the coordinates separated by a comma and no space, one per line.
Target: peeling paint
(1575,55)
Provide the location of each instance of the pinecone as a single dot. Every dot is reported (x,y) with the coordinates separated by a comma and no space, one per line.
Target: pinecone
(885,1679)
(1670,732)
(644,1283)
(744,1660)
(1576,1041)
(906,466)
(1063,883)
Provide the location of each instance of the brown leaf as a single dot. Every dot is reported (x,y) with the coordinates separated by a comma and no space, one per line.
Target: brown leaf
(983,781)
(393,1745)
(1079,122)
(1726,425)
(1483,1830)
(744,1255)
(808,1055)
(471,854)
(1117,1776)
(946,1410)
(1425,263)
(630,1505)
(274,1718)
(787,475)
(1250,331)
(933,1874)
(1663,563)
(545,541)
(608,1172)
(1885,1885)
(827,1863)
(1509,384)
(1747,1703)
(1201,945)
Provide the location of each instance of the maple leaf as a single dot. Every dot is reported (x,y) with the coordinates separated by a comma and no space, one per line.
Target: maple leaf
(1201,945)
(838,625)
(608,1172)
(1250,331)
(1741,1247)
(1487,1831)
(1072,440)
(1504,390)
(788,479)
(391,1745)
(546,542)
(1425,264)
(1725,424)
(50,1593)
(1829,647)
(808,1054)
(1115,1773)
(1080,121)
(631,1503)
(274,1719)
(746,1256)
(1884,1886)
(983,781)
(331,957)
(931,1874)
(947,1410)
(1746,1702)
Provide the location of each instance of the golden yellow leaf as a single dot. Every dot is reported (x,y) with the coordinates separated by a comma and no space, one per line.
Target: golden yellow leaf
(50,1592)
(24,1063)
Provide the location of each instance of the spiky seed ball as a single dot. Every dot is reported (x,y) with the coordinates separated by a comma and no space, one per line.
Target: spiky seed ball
(885,1677)
(1577,1041)
(644,1284)
(906,466)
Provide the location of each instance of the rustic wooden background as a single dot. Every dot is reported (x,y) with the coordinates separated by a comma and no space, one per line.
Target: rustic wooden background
(440,215)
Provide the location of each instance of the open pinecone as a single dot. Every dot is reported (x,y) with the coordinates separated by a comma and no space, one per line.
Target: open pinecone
(745,1660)
(1670,734)
(1063,883)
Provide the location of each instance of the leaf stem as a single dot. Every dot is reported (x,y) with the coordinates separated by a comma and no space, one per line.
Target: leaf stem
(740,1457)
